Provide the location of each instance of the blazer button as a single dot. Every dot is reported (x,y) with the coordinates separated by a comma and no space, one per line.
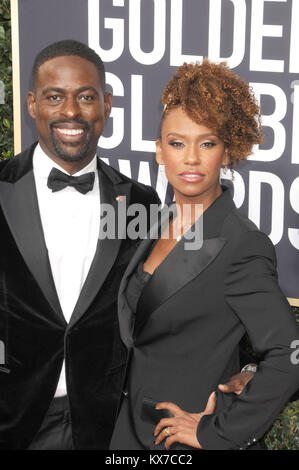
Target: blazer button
(125,393)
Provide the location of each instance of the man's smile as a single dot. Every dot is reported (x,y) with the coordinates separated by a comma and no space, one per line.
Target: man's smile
(70,132)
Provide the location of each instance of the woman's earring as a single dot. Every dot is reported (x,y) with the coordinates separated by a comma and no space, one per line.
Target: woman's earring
(227,160)
(162,170)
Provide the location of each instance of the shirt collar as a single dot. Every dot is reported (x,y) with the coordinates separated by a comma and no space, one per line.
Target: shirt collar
(42,164)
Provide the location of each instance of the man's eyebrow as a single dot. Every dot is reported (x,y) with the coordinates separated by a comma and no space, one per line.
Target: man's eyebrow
(62,90)
(85,88)
(49,89)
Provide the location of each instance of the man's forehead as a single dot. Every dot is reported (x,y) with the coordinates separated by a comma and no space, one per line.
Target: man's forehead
(68,70)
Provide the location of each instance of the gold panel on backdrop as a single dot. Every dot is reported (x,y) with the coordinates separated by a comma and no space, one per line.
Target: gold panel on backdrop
(16,76)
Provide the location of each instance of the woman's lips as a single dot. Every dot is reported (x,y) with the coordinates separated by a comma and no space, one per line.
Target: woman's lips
(192,177)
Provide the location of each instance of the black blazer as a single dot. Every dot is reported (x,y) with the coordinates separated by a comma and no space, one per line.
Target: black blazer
(33,329)
(184,339)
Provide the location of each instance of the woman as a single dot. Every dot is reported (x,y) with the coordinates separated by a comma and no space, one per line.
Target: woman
(183,312)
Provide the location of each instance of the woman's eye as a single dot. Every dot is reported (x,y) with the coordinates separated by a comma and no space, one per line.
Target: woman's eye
(208,144)
(176,143)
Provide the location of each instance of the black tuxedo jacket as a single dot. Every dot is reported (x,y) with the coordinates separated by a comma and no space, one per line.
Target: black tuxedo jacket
(33,329)
(184,338)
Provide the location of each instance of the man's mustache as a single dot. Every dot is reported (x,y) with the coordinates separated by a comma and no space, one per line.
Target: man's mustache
(70,121)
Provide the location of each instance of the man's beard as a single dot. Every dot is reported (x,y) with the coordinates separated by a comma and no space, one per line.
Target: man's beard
(69,156)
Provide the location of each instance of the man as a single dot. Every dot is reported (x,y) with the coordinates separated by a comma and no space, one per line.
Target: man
(64,360)
(58,317)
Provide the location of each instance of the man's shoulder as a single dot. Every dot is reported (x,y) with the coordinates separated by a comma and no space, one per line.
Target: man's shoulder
(139,191)
(4,164)
(11,169)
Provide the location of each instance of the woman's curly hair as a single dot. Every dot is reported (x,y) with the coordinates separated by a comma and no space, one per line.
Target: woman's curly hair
(212,94)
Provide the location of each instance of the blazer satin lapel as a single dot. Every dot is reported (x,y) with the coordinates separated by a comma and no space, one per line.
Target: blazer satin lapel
(167,279)
(20,206)
(125,315)
(179,268)
(107,249)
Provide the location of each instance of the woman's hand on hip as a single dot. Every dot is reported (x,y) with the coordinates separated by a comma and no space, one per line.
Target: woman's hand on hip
(182,427)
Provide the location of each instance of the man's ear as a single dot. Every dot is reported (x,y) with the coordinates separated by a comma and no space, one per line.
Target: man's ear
(159,155)
(31,103)
(107,105)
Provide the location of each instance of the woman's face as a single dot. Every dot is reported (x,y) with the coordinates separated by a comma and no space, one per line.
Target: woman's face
(193,155)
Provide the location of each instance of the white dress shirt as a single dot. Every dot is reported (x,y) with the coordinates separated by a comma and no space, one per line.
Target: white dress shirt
(71,224)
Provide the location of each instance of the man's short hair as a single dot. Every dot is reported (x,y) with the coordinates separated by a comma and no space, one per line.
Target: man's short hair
(64,48)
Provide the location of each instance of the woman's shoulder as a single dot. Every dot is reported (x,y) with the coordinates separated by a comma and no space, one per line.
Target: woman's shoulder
(236,220)
(244,236)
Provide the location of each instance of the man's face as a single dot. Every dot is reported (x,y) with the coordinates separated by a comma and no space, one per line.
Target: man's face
(69,108)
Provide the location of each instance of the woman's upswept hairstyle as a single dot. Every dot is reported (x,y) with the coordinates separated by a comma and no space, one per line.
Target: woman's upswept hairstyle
(212,94)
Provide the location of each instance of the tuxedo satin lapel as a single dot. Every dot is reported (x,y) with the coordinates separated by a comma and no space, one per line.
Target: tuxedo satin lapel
(178,268)
(125,315)
(20,206)
(107,249)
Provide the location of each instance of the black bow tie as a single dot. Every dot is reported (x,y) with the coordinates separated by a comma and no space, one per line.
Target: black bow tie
(58,180)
